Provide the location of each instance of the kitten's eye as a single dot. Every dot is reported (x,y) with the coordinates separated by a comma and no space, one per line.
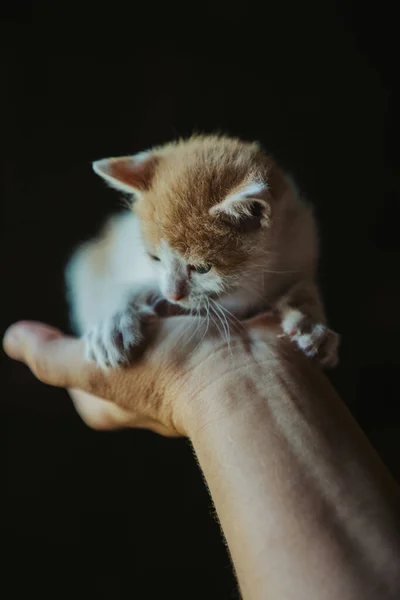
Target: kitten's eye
(154,257)
(203,269)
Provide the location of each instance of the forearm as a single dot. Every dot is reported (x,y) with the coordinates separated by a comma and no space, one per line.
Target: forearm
(307,509)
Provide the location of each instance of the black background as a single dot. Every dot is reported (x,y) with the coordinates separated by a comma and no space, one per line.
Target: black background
(118,515)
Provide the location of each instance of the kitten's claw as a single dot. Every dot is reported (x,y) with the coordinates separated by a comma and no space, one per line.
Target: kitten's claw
(316,340)
(110,343)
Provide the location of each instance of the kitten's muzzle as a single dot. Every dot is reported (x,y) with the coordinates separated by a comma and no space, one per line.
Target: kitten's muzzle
(178,291)
(175,297)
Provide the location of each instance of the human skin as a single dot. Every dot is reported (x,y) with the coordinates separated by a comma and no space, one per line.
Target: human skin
(307,508)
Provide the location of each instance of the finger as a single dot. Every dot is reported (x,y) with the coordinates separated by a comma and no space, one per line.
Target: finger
(11,340)
(53,357)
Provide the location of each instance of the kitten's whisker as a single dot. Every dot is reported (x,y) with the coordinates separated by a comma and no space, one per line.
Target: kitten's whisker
(219,313)
(258,251)
(198,322)
(216,322)
(228,322)
(260,268)
(231,317)
(191,323)
(224,324)
(228,317)
(208,323)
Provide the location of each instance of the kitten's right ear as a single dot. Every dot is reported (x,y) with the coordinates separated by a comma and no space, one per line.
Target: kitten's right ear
(129,174)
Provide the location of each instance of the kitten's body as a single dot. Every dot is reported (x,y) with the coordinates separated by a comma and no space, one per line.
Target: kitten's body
(207,203)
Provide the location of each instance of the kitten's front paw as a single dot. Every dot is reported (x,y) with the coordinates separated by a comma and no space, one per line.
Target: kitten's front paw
(316,340)
(110,343)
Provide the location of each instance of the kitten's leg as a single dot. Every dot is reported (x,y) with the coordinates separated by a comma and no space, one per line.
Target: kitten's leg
(113,340)
(107,309)
(304,322)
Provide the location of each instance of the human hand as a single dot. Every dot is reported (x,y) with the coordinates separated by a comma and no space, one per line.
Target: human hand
(158,391)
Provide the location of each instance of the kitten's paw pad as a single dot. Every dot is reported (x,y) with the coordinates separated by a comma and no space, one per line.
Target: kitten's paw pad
(317,341)
(110,343)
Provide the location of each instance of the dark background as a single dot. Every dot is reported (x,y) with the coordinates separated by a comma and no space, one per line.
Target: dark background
(118,515)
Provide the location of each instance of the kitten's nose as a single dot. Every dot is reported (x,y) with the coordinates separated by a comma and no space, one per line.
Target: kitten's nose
(178,290)
(176,296)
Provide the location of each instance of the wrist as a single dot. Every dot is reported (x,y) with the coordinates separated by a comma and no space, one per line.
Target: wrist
(226,382)
(205,375)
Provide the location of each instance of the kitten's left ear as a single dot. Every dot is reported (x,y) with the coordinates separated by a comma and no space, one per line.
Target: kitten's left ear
(129,174)
(250,201)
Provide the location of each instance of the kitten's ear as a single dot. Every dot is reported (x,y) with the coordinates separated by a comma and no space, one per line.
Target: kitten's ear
(250,201)
(128,173)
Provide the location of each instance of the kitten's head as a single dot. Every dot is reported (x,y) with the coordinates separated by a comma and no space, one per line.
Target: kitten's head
(205,206)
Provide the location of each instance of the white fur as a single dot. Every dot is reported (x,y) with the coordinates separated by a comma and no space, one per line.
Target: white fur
(312,338)
(292,321)
(104,273)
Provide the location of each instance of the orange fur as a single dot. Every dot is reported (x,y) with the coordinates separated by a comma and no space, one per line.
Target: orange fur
(192,176)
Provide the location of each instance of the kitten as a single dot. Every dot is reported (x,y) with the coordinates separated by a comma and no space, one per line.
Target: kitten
(215,226)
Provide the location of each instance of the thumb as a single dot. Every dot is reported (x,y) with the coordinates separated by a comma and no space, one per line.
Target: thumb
(53,357)
(21,336)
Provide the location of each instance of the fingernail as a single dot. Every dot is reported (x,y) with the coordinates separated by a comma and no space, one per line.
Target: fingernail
(12,342)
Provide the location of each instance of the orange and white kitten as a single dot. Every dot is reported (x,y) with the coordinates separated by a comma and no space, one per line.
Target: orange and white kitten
(215,227)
